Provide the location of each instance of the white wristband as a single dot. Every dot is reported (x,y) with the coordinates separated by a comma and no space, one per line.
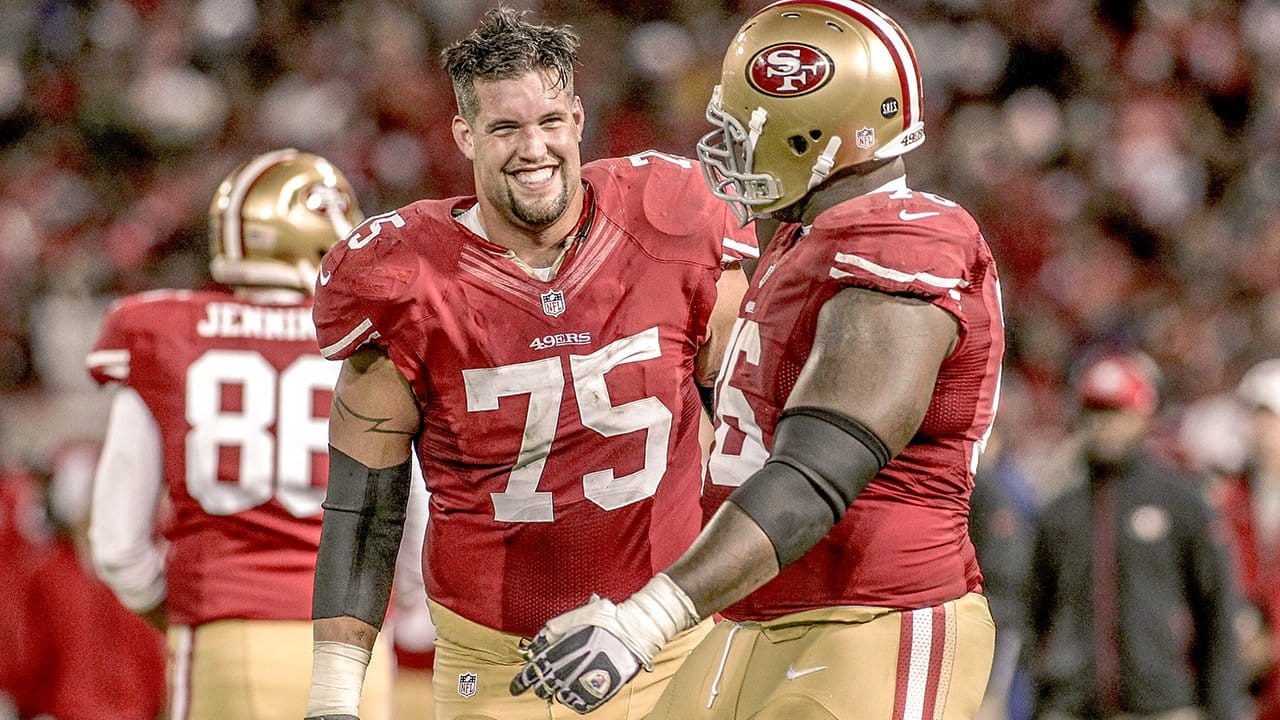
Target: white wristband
(337,677)
(652,616)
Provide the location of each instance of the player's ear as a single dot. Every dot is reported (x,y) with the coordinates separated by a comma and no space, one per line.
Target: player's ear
(579,117)
(463,136)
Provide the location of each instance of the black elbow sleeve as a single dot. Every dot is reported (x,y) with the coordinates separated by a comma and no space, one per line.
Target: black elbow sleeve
(820,461)
(708,397)
(364,512)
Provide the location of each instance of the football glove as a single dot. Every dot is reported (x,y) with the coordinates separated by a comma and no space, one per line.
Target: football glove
(582,670)
(586,655)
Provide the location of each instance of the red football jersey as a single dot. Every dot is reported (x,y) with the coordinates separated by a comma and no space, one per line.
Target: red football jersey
(904,542)
(560,418)
(241,397)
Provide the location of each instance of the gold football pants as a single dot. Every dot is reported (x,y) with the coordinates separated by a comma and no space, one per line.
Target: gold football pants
(475,665)
(841,663)
(257,670)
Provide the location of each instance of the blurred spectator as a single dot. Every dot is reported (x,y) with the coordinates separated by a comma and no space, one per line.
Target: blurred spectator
(1001,511)
(23,540)
(1251,506)
(86,656)
(1001,514)
(1131,599)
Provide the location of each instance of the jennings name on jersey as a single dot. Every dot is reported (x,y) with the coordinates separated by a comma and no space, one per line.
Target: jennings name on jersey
(560,417)
(240,398)
(904,542)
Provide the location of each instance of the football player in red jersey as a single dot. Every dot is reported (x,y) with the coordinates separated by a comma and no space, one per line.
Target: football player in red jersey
(221,407)
(537,345)
(855,399)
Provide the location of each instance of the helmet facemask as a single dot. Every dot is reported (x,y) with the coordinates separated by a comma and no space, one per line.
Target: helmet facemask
(726,154)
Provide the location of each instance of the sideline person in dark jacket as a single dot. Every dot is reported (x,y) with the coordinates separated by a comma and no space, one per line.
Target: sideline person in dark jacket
(1131,597)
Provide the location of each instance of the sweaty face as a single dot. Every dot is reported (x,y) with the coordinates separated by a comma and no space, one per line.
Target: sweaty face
(524,146)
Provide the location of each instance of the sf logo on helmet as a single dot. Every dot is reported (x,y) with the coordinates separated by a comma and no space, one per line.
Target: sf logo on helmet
(789,69)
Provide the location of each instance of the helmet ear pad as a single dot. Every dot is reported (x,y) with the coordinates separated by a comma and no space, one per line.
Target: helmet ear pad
(273,218)
(813,88)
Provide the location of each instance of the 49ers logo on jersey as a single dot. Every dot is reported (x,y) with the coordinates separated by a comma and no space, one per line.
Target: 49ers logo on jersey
(789,69)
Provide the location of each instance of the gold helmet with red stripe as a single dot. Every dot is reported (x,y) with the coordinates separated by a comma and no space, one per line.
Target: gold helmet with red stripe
(274,217)
(808,87)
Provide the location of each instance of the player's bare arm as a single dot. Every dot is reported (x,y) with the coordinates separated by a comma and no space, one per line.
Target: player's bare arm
(874,361)
(730,288)
(371,426)
(859,400)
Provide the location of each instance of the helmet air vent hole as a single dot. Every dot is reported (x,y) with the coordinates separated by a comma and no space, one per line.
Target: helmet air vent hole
(791,15)
(799,145)
(815,134)
(835,27)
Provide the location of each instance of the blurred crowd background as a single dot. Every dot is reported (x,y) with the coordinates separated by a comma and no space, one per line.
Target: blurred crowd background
(1122,156)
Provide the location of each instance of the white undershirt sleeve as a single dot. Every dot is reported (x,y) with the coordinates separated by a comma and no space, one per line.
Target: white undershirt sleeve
(126,493)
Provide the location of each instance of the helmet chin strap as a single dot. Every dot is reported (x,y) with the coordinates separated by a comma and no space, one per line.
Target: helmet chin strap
(822,167)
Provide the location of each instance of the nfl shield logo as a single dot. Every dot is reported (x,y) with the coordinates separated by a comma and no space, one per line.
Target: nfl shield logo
(553,303)
(467,684)
(865,138)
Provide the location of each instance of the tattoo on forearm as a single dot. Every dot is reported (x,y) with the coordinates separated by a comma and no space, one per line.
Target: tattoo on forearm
(344,412)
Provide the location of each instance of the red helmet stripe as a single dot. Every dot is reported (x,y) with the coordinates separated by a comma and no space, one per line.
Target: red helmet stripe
(904,57)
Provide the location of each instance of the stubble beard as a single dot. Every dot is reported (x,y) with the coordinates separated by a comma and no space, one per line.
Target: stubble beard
(539,215)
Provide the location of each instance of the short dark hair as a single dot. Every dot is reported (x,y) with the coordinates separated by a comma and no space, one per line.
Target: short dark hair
(505,46)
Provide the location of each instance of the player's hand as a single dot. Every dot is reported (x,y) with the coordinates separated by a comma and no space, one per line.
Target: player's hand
(578,659)
(586,655)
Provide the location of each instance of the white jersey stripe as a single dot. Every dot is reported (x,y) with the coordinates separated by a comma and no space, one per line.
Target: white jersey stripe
(891,274)
(479,266)
(742,249)
(98,358)
(349,338)
(592,257)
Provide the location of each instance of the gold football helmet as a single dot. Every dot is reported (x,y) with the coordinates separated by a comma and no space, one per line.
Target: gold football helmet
(808,87)
(275,216)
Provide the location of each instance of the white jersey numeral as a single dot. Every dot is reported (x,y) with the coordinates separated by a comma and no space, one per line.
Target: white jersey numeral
(739,447)
(544,381)
(371,228)
(270,463)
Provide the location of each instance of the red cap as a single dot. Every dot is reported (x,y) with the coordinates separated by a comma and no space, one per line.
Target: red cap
(1118,383)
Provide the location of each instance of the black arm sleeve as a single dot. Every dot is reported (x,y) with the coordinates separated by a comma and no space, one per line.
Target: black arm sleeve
(364,513)
(820,461)
(708,397)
